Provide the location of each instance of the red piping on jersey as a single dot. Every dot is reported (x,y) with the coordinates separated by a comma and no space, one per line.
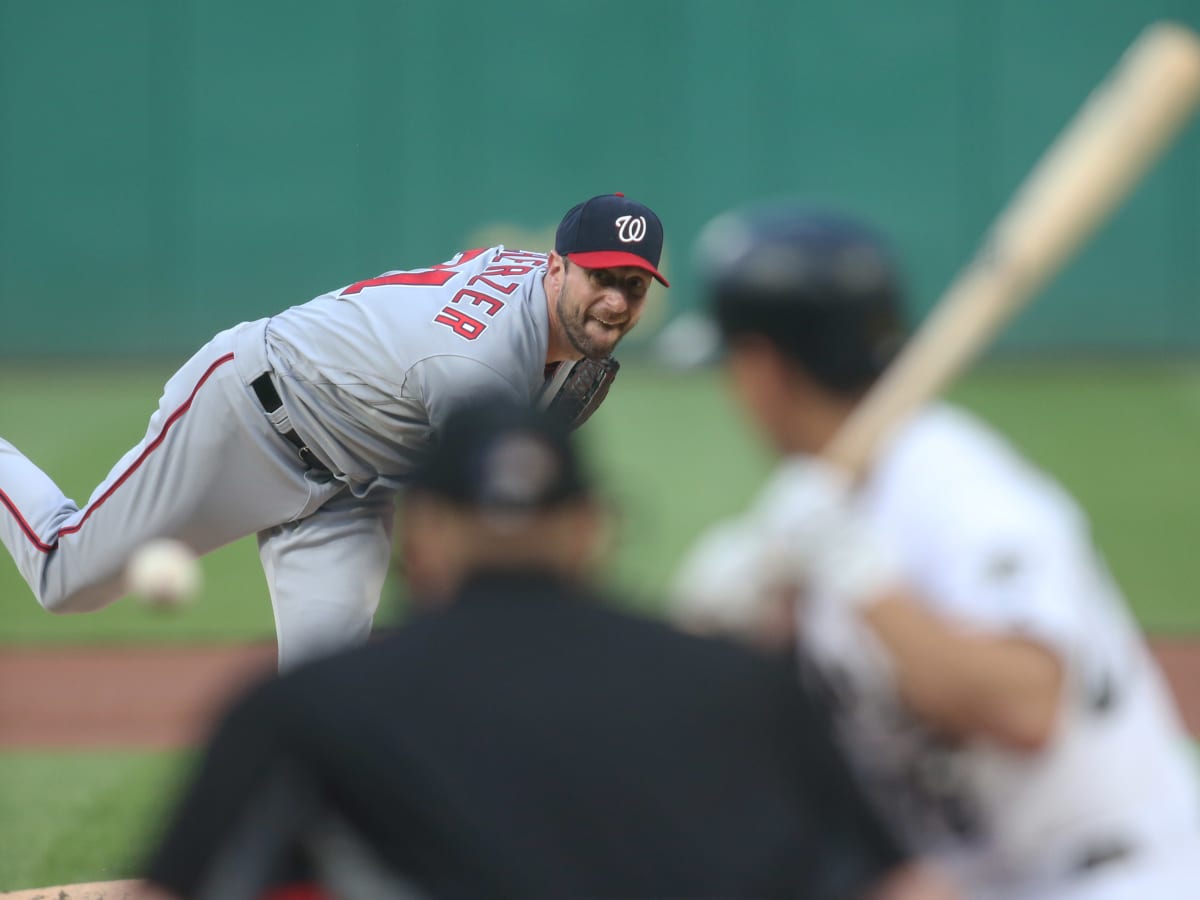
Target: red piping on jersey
(29,532)
(150,448)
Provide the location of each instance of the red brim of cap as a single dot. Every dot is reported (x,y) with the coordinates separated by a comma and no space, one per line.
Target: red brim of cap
(609,259)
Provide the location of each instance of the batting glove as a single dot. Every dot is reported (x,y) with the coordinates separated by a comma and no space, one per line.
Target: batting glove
(816,539)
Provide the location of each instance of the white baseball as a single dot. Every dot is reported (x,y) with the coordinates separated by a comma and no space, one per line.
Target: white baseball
(163,572)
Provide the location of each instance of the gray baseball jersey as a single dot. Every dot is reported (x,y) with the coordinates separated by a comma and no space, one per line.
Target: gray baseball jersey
(364,374)
(366,371)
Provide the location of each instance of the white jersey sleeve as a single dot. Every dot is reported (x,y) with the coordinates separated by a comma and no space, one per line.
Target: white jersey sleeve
(991,541)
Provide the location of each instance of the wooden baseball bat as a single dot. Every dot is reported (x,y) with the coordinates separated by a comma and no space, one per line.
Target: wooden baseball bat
(1118,133)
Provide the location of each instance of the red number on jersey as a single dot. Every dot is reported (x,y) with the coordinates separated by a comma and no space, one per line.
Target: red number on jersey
(434,276)
(463,325)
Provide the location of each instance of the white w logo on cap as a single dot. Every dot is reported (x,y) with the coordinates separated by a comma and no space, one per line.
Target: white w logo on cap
(631,229)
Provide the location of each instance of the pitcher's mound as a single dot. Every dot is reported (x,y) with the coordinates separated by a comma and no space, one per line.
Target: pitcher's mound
(95,890)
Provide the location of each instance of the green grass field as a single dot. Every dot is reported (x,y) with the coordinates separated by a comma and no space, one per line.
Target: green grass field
(674,456)
(70,817)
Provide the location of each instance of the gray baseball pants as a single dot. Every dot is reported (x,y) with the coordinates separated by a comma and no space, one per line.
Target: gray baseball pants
(212,468)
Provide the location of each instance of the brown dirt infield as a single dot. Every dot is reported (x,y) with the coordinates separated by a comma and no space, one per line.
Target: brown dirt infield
(165,697)
(119,697)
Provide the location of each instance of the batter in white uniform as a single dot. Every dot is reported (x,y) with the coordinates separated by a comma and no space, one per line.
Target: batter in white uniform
(298,428)
(993,689)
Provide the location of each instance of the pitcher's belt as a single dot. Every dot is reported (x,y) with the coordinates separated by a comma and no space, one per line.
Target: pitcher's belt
(264,389)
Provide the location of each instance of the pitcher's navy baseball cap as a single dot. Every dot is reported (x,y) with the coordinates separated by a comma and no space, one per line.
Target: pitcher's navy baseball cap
(611,230)
(500,456)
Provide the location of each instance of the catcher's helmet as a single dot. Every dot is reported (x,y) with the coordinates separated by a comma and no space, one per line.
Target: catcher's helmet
(820,286)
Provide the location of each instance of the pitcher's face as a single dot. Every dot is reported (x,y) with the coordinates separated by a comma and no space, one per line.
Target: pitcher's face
(597,307)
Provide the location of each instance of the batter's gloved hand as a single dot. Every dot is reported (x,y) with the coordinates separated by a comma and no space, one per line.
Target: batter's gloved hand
(816,539)
(725,586)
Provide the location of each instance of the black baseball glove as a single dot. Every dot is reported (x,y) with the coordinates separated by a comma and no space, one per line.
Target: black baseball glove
(575,389)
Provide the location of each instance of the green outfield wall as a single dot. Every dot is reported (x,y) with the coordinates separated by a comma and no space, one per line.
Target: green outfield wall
(168,167)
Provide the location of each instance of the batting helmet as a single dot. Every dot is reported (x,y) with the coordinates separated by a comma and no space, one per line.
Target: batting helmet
(821,287)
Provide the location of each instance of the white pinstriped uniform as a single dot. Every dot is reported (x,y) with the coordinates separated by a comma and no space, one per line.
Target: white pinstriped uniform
(992,543)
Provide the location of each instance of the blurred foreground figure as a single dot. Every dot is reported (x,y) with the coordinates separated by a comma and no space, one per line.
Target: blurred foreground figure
(987,678)
(518,738)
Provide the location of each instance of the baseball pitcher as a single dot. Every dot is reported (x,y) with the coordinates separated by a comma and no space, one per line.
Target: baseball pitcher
(300,427)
